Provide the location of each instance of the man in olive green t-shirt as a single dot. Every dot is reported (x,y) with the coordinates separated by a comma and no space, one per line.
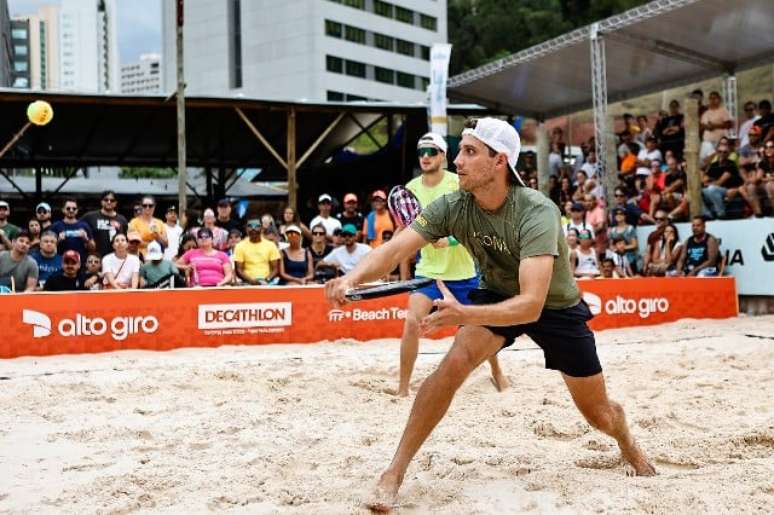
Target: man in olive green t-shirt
(515,236)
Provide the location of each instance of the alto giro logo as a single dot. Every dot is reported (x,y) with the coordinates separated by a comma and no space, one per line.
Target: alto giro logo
(119,328)
(643,307)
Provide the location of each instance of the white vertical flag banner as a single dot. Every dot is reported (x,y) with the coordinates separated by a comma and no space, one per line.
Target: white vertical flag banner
(439,74)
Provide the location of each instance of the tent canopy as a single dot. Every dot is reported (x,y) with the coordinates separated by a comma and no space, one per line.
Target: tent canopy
(657,46)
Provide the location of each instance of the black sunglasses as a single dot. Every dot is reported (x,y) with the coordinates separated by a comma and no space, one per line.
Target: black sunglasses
(108,200)
(427,151)
(148,205)
(318,234)
(71,209)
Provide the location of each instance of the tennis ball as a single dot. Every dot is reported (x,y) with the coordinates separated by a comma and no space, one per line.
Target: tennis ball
(40,112)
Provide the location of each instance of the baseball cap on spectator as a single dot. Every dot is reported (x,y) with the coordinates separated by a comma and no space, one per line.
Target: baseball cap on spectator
(379,194)
(3,203)
(433,139)
(71,256)
(349,229)
(501,137)
(293,228)
(45,206)
(224,202)
(172,208)
(350,197)
(324,198)
(133,236)
(154,251)
(577,206)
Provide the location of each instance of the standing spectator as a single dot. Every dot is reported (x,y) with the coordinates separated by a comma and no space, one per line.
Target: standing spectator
(346,257)
(121,270)
(206,265)
(8,231)
(378,220)
(69,278)
(174,233)
(18,270)
(715,123)
(319,249)
(49,262)
(626,232)
(665,253)
(673,195)
(324,206)
(290,217)
(698,95)
(219,235)
(257,260)
(647,155)
(700,254)
(596,220)
(149,228)
(225,219)
(766,120)
(296,264)
(105,222)
(577,219)
(72,233)
(33,227)
(584,261)
(750,117)
(351,215)
(157,272)
(721,183)
(43,215)
(93,275)
(671,132)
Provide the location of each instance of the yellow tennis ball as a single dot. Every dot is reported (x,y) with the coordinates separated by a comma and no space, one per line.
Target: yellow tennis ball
(40,112)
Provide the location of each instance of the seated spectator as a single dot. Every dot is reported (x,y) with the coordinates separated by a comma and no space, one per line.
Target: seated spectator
(18,271)
(590,166)
(644,130)
(572,239)
(647,155)
(234,237)
(618,255)
(147,226)
(290,217)
(750,117)
(661,222)
(726,143)
(257,260)
(700,254)
(187,242)
(92,276)
(766,120)
(629,162)
(219,235)
(346,257)
(338,239)
(351,215)
(69,278)
(553,189)
(596,220)
(665,253)
(649,194)
(608,270)
(760,182)
(269,233)
(721,183)
(580,185)
(33,227)
(205,265)
(157,272)
(324,206)
(320,248)
(628,146)
(673,197)
(634,215)
(296,265)
(72,233)
(584,261)
(627,233)
(377,221)
(8,231)
(577,219)
(134,244)
(49,262)
(714,124)
(121,270)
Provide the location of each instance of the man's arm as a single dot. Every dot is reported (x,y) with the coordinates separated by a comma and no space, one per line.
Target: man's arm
(240,270)
(32,283)
(681,258)
(274,269)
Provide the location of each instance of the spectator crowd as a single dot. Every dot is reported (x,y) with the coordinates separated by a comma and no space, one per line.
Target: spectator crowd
(102,249)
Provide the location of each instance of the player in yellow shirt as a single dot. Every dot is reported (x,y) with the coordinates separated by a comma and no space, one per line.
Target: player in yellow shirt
(445,259)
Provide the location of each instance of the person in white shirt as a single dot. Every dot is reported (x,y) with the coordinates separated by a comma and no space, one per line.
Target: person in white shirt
(714,124)
(324,205)
(590,166)
(585,264)
(346,257)
(647,155)
(174,232)
(121,270)
(750,118)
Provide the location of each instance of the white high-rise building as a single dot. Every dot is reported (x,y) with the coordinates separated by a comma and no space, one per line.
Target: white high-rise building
(306,49)
(36,43)
(142,77)
(89,46)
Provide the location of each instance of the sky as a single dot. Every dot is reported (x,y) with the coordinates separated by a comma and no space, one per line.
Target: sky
(139,24)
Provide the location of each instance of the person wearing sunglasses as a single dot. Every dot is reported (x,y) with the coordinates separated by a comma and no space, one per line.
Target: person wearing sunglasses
(43,215)
(256,259)
(205,265)
(150,228)
(319,248)
(105,222)
(73,234)
(378,220)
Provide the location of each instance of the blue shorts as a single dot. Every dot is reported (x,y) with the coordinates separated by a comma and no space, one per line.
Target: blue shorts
(460,289)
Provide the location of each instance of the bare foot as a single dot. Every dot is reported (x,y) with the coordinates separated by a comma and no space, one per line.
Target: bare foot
(384,495)
(635,457)
(500,382)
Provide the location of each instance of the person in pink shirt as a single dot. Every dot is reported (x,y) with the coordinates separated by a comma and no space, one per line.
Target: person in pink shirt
(597,220)
(206,266)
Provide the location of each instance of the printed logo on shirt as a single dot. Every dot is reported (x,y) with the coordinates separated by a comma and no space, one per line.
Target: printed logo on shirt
(493,242)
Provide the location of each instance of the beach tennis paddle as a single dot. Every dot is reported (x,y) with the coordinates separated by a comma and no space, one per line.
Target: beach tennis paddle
(372,291)
(403,205)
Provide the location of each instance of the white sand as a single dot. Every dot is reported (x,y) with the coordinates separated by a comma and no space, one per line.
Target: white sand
(305,429)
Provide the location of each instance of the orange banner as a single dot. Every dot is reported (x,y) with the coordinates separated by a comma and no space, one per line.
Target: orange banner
(66,323)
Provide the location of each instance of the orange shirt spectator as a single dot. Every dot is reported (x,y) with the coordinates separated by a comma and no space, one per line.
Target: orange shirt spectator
(378,220)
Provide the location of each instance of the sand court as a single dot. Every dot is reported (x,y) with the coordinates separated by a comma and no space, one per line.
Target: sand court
(306,429)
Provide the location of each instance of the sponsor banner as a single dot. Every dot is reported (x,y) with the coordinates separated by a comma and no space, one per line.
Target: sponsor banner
(42,324)
(439,74)
(748,246)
